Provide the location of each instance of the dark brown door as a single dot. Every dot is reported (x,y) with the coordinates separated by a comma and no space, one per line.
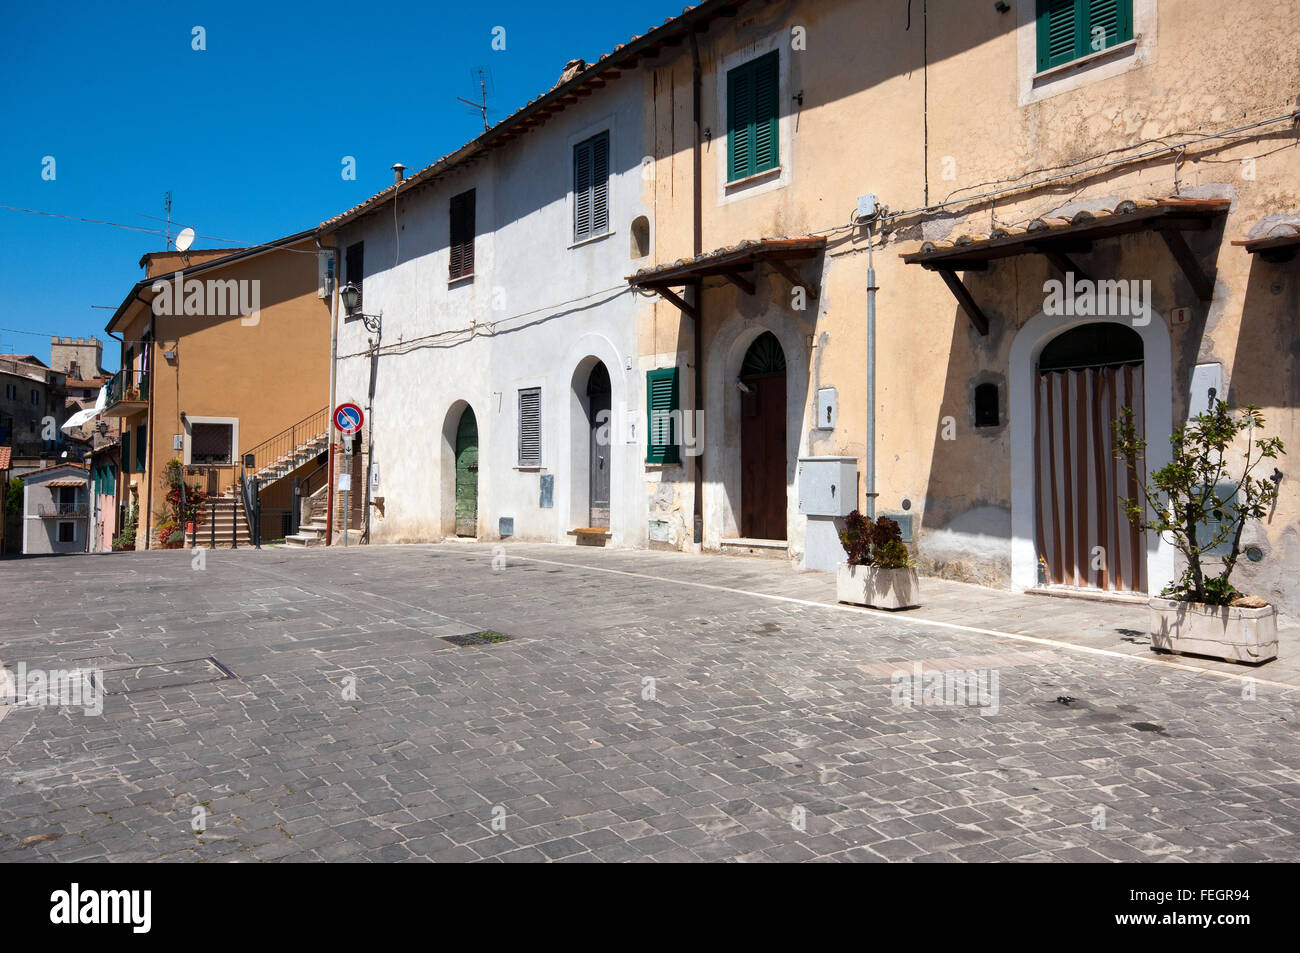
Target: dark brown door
(762,440)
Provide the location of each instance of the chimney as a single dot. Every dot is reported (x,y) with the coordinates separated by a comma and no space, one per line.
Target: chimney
(399,171)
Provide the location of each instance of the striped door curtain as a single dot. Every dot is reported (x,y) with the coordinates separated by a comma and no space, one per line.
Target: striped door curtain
(1083,534)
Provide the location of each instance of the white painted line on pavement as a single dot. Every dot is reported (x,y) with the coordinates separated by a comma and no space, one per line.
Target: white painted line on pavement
(916,620)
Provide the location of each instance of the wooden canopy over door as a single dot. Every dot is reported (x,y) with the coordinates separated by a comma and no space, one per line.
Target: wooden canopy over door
(762,441)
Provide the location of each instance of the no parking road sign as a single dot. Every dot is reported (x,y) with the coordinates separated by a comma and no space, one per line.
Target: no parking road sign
(348,418)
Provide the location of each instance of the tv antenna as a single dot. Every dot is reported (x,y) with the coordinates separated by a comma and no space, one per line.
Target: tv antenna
(481,74)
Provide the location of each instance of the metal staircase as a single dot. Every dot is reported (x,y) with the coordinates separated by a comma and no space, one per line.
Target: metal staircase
(279,456)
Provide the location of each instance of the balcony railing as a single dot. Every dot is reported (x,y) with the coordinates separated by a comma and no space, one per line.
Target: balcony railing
(127,386)
(53,510)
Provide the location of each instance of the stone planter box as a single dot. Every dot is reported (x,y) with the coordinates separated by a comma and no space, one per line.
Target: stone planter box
(1232,634)
(878,588)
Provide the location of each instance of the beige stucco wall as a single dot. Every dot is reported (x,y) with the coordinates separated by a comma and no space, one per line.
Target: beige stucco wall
(871,100)
(269,373)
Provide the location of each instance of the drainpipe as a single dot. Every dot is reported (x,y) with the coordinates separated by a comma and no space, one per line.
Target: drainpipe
(334,351)
(869,477)
(148,454)
(697,297)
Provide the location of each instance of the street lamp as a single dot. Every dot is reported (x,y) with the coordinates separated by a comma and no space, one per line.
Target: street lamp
(351,296)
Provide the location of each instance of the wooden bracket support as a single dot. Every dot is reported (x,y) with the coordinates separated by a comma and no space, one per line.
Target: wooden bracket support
(671,296)
(1196,276)
(744,284)
(963,296)
(793,276)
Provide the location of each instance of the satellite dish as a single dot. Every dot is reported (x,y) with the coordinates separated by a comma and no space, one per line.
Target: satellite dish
(185,239)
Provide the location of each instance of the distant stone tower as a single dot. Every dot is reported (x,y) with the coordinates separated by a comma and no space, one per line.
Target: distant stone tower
(79,358)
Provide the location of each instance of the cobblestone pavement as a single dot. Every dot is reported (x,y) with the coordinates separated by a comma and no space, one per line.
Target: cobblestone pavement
(644,710)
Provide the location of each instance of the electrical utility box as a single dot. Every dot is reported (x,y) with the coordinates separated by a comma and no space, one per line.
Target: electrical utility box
(828,486)
(828,490)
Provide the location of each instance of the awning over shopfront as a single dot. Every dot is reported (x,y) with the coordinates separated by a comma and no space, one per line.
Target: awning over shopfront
(736,263)
(1058,238)
(1278,245)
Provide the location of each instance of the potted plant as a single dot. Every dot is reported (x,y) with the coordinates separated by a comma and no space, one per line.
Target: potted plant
(880,572)
(184,503)
(1196,504)
(171,535)
(125,539)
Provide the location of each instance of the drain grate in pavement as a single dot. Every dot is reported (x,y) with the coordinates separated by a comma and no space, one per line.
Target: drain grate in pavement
(476,638)
(159,675)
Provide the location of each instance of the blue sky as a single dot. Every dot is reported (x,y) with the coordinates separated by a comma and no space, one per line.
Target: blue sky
(249,134)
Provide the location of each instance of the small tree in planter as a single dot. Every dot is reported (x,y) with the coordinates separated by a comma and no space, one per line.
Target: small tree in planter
(1194,503)
(880,572)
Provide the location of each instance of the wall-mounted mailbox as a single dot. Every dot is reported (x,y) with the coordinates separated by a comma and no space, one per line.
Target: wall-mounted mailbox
(827,486)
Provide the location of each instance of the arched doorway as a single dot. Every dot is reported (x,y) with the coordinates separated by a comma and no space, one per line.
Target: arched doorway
(1084,377)
(598,404)
(762,440)
(467,474)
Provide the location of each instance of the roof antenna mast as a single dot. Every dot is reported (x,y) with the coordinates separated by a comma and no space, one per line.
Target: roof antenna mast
(481,105)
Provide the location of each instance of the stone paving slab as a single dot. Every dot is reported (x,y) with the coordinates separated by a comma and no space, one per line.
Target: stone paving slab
(633,716)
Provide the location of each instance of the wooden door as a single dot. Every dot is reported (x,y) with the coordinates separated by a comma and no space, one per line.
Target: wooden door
(467,475)
(598,403)
(762,458)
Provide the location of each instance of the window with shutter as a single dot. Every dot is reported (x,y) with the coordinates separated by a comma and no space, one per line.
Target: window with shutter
(663,414)
(355,265)
(591,187)
(126,451)
(141,446)
(462,236)
(530,427)
(1071,29)
(753,111)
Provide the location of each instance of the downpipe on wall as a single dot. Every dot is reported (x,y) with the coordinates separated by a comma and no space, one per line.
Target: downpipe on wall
(869,464)
(334,354)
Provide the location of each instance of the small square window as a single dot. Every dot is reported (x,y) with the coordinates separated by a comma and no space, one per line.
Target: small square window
(212,444)
(67,532)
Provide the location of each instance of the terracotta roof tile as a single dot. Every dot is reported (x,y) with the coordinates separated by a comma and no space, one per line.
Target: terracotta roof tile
(1123,213)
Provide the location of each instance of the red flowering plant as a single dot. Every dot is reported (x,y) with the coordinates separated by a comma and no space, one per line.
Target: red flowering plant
(180,510)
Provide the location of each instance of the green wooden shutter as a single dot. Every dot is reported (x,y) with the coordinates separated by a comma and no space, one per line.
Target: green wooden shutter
(141,446)
(1065,28)
(1058,32)
(661,416)
(126,451)
(753,113)
(766,112)
(1115,17)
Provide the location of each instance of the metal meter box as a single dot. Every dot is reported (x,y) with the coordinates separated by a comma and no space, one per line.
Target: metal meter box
(827,486)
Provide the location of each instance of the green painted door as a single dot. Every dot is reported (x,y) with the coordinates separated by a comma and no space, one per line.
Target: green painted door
(467,475)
